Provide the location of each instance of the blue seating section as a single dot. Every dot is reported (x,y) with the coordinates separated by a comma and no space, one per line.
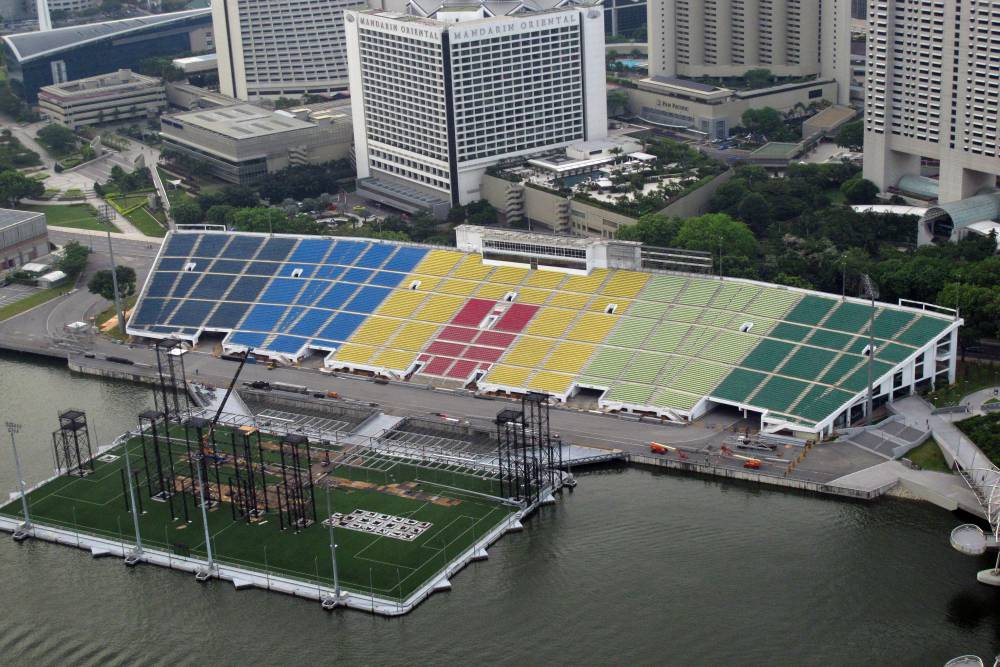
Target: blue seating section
(276,293)
(287,344)
(212,286)
(276,249)
(228,266)
(210,246)
(248,339)
(242,247)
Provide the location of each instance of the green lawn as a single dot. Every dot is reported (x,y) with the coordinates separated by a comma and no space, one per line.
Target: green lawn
(77,216)
(36,299)
(146,223)
(929,457)
(391,568)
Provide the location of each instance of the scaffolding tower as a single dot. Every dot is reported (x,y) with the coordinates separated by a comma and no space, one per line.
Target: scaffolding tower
(71,444)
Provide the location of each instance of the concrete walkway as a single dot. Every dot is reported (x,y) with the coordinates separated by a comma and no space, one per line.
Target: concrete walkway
(976,399)
(945,490)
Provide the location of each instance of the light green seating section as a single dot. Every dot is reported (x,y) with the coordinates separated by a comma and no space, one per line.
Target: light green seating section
(663,288)
(699,377)
(636,394)
(609,362)
(721,318)
(696,341)
(669,398)
(670,370)
(730,347)
(630,332)
(667,337)
(645,367)
(773,303)
(647,309)
(734,296)
(699,292)
(684,314)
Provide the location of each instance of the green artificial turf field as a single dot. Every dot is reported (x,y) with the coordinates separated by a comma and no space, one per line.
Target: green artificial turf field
(391,568)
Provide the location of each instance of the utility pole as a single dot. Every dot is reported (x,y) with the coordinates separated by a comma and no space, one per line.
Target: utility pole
(333,549)
(106,219)
(871,291)
(13,428)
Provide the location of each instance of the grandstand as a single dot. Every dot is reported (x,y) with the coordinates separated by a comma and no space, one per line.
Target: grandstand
(669,344)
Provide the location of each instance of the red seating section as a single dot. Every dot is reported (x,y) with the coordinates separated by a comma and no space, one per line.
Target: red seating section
(462,348)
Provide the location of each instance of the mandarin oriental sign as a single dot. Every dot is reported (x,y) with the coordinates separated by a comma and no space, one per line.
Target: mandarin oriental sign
(495,28)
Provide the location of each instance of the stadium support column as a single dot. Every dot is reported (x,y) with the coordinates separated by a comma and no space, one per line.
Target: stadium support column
(44,19)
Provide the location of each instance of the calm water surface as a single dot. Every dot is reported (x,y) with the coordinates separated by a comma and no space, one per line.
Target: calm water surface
(631,568)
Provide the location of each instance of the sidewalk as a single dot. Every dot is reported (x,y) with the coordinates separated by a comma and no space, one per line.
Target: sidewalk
(976,399)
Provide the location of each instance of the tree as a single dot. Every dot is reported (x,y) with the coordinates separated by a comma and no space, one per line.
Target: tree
(274,220)
(101,282)
(653,229)
(756,212)
(57,138)
(220,214)
(185,212)
(851,135)
(162,67)
(859,191)
(713,231)
(287,102)
(481,213)
(74,259)
(617,101)
(766,121)
(758,78)
(15,186)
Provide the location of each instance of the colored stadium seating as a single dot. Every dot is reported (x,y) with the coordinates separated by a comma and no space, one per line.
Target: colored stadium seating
(671,341)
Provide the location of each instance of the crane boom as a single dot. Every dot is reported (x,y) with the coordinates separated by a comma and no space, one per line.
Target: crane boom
(229,391)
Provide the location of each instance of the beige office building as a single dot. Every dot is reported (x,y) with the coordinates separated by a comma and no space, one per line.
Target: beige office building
(724,38)
(119,96)
(933,91)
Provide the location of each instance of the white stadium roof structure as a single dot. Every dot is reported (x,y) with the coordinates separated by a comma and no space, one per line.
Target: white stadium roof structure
(672,344)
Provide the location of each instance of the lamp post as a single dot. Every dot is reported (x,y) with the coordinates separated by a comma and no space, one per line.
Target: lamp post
(106,219)
(13,428)
(871,291)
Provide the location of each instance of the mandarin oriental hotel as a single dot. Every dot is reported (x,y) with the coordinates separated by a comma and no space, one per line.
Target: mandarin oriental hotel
(444,98)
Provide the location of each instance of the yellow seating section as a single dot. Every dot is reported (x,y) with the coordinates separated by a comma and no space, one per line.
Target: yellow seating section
(439,308)
(528,352)
(439,262)
(592,327)
(626,284)
(508,376)
(401,303)
(551,322)
(569,357)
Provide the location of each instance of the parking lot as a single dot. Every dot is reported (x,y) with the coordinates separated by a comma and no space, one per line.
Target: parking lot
(11,293)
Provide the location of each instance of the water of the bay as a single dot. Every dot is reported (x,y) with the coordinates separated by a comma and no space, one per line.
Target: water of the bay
(630,568)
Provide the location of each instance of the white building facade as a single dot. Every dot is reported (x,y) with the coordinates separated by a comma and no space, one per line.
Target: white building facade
(438,101)
(272,48)
(726,38)
(933,91)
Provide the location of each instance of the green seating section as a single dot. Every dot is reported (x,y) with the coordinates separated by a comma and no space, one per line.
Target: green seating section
(848,316)
(831,339)
(841,367)
(779,393)
(810,310)
(739,385)
(807,362)
(924,329)
(768,355)
(792,332)
(819,402)
(888,323)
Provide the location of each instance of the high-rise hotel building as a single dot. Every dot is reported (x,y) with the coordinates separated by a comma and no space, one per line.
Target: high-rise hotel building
(933,91)
(271,48)
(439,99)
(725,38)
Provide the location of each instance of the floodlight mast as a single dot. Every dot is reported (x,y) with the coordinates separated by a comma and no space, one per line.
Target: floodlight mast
(13,428)
(135,504)
(333,548)
(870,291)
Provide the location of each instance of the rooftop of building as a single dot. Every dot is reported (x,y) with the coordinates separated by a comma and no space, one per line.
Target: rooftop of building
(241,121)
(102,83)
(776,150)
(29,45)
(832,117)
(10,217)
(490,8)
